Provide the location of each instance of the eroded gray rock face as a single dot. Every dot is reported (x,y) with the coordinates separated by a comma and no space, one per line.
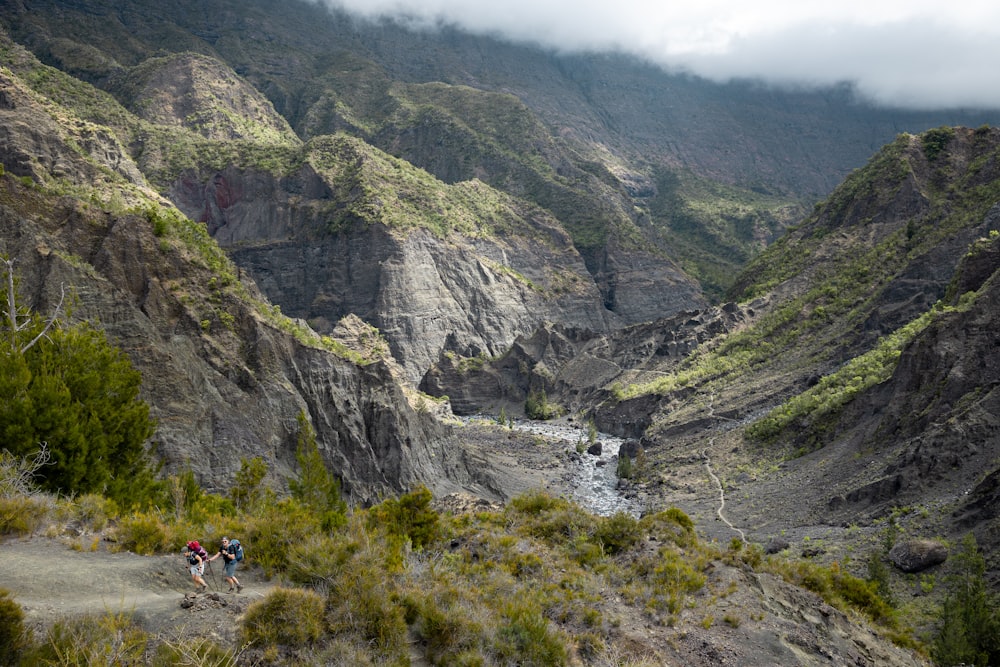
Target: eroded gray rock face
(424,293)
(224,383)
(223,393)
(33,142)
(575,366)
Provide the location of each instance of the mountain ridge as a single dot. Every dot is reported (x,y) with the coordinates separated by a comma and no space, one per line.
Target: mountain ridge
(407,237)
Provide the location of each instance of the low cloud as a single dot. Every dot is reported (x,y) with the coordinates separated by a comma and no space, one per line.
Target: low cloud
(915,54)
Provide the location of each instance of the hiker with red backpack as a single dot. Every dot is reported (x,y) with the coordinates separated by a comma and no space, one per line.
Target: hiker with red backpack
(231,553)
(197,557)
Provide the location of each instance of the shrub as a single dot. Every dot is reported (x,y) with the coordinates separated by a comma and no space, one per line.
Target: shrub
(363,605)
(276,529)
(970,625)
(624,467)
(410,516)
(671,524)
(534,502)
(316,488)
(143,533)
(672,578)
(878,575)
(249,491)
(561,524)
(617,533)
(445,628)
(199,651)
(839,589)
(23,515)
(524,638)
(93,511)
(109,639)
(68,386)
(320,558)
(291,617)
(14,636)
(537,406)
(936,140)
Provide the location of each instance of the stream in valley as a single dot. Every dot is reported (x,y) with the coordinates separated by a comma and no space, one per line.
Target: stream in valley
(594,478)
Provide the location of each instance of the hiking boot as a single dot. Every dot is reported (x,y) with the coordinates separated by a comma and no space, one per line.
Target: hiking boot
(231,589)
(201,589)
(239,587)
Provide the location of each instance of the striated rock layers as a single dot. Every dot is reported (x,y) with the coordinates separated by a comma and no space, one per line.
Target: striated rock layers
(468,294)
(225,377)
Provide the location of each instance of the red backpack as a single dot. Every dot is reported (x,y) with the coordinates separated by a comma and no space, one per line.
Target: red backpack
(195,548)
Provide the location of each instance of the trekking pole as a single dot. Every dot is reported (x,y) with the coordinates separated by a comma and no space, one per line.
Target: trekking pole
(214,580)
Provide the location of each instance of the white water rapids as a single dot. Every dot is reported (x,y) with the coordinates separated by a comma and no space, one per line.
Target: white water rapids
(594,478)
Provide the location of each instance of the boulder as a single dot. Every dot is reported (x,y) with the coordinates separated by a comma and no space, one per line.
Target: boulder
(918,555)
(776,545)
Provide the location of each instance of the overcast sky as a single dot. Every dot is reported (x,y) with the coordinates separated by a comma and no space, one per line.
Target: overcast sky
(915,53)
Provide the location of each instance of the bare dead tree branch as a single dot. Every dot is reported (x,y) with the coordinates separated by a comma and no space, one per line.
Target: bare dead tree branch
(52,319)
(17,474)
(12,315)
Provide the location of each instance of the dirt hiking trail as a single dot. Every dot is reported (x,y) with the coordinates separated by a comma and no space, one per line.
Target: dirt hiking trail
(52,581)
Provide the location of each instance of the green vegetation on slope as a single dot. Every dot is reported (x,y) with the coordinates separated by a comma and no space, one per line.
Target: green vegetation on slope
(714,230)
(838,292)
(535,583)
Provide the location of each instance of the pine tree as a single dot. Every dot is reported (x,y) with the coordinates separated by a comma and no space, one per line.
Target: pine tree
(316,487)
(970,628)
(68,387)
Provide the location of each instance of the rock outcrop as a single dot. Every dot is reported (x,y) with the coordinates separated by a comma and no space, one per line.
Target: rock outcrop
(470,295)
(225,377)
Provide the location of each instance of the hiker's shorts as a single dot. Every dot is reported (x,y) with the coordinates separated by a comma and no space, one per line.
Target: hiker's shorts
(230,568)
(198,569)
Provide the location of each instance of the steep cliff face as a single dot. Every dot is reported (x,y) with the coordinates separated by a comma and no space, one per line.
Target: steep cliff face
(469,293)
(224,376)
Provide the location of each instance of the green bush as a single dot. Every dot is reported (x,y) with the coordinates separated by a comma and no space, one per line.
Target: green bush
(445,627)
(617,533)
(320,558)
(363,605)
(316,487)
(674,576)
(108,639)
(276,529)
(537,406)
(672,525)
(936,140)
(143,533)
(534,502)
(249,492)
(970,624)
(93,511)
(561,525)
(291,617)
(23,515)
(409,516)
(14,636)
(838,588)
(525,638)
(199,651)
(72,389)
(624,468)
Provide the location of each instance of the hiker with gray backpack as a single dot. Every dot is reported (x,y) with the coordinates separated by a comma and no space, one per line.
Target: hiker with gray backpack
(231,552)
